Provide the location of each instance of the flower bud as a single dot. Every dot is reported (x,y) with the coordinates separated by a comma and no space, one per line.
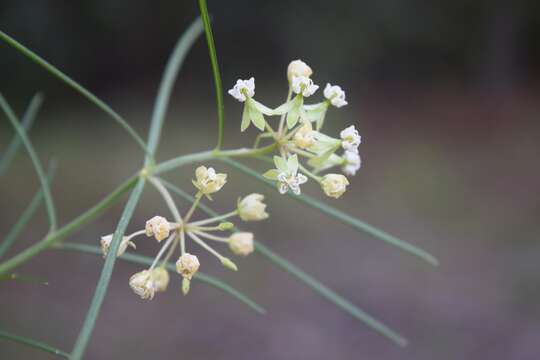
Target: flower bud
(106,244)
(352,162)
(208,181)
(251,208)
(226,226)
(185,286)
(334,185)
(142,284)
(229,264)
(335,95)
(241,243)
(160,276)
(304,136)
(158,227)
(298,68)
(303,85)
(351,138)
(187,265)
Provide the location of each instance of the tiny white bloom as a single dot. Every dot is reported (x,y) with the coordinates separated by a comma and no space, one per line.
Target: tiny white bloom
(143,284)
(158,227)
(243,89)
(187,265)
(208,181)
(286,174)
(334,185)
(298,68)
(241,243)
(290,181)
(252,208)
(304,136)
(335,94)
(351,138)
(303,85)
(352,162)
(106,244)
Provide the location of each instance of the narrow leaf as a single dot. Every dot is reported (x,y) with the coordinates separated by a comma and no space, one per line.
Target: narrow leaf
(33,343)
(74,85)
(27,122)
(246,120)
(105,277)
(257,117)
(51,212)
(343,217)
(314,284)
(145,260)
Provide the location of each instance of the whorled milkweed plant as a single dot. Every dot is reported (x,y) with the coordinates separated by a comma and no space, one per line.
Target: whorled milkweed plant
(295,144)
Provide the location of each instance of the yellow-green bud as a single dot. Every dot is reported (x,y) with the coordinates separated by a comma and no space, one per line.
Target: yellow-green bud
(229,264)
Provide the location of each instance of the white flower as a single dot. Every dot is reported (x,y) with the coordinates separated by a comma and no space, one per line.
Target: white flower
(143,284)
(352,162)
(334,185)
(243,89)
(208,181)
(187,265)
(286,173)
(298,68)
(303,85)
(106,244)
(158,227)
(351,138)
(160,277)
(241,243)
(335,94)
(304,136)
(251,208)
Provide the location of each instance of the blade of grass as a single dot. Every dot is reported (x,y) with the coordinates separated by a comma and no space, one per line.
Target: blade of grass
(11,236)
(170,74)
(33,343)
(51,212)
(314,284)
(145,260)
(27,122)
(343,217)
(105,277)
(215,71)
(74,85)
(24,278)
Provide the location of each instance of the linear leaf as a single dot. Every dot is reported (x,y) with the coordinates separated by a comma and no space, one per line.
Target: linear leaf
(314,284)
(215,71)
(26,122)
(172,69)
(74,85)
(105,277)
(343,217)
(33,343)
(145,260)
(51,212)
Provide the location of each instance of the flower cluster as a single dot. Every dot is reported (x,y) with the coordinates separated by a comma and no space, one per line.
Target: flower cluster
(156,278)
(299,133)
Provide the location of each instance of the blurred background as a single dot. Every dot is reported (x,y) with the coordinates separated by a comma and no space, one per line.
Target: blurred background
(446,97)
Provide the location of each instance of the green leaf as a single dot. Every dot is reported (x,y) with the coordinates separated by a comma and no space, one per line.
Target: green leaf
(105,277)
(145,260)
(281,164)
(306,279)
(284,108)
(343,217)
(292,163)
(271,174)
(294,113)
(33,343)
(257,118)
(51,212)
(170,74)
(246,120)
(215,71)
(262,108)
(19,226)
(74,85)
(27,122)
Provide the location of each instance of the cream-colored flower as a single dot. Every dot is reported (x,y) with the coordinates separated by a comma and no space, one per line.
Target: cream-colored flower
(241,243)
(303,85)
(304,137)
(252,208)
(106,244)
(298,68)
(143,284)
(351,138)
(158,227)
(208,181)
(243,89)
(334,185)
(160,276)
(335,94)
(352,162)
(287,175)
(187,265)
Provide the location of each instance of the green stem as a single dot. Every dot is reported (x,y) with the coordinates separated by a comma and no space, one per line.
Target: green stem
(215,71)
(33,343)
(193,207)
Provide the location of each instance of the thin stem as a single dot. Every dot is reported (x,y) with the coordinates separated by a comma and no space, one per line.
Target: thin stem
(212,237)
(162,250)
(205,246)
(182,242)
(215,219)
(282,119)
(193,206)
(301,152)
(171,251)
(33,343)
(309,173)
(215,71)
(167,197)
